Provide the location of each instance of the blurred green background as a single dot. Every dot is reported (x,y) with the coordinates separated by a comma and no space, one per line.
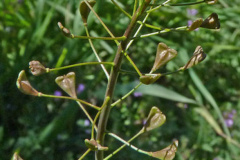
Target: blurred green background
(200,104)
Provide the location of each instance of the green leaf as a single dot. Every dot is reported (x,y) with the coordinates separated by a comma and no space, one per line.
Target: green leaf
(205,114)
(160,91)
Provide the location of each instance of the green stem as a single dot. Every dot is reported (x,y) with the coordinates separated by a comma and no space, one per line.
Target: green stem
(135,6)
(113,78)
(70,98)
(183,28)
(122,10)
(126,95)
(102,38)
(167,5)
(86,113)
(95,52)
(132,63)
(80,64)
(153,9)
(125,144)
(84,154)
(149,25)
(139,28)
(106,28)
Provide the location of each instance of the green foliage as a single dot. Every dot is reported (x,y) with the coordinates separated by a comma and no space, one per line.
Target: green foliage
(50,128)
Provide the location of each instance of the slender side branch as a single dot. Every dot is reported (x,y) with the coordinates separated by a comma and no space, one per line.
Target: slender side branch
(79,64)
(70,98)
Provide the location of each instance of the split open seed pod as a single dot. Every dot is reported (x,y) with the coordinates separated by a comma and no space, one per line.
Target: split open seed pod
(196,24)
(67,83)
(37,68)
(210,1)
(198,56)
(24,85)
(164,54)
(212,22)
(94,146)
(154,120)
(167,153)
(85,10)
(16,156)
(149,78)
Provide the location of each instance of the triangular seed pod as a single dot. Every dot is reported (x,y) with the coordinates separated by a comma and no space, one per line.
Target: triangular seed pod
(24,85)
(164,54)
(198,56)
(212,22)
(37,68)
(196,24)
(154,120)
(16,156)
(85,10)
(67,83)
(149,78)
(167,153)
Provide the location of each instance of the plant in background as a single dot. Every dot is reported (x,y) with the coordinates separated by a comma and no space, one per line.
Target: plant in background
(142,9)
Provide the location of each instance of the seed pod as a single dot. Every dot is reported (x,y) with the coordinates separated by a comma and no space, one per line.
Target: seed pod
(94,146)
(24,85)
(154,120)
(167,153)
(16,156)
(212,22)
(65,31)
(196,24)
(210,1)
(164,54)
(149,78)
(67,83)
(198,56)
(85,10)
(37,68)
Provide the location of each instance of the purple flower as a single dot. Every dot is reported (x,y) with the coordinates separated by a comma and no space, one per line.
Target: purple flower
(189,22)
(86,122)
(234,111)
(137,94)
(81,88)
(192,12)
(229,122)
(58,93)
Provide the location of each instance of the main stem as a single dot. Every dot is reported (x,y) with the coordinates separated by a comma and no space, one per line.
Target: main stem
(113,78)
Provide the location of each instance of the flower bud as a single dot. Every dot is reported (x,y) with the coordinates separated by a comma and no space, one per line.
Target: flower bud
(212,22)
(164,55)
(149,78)
(67,83)
(24,86)
(16,156)
(64,30)
(37,68)
(210,1)
(85,10)
(154,120)
(198,56)
(167,153)
(196,24)
(94,146)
